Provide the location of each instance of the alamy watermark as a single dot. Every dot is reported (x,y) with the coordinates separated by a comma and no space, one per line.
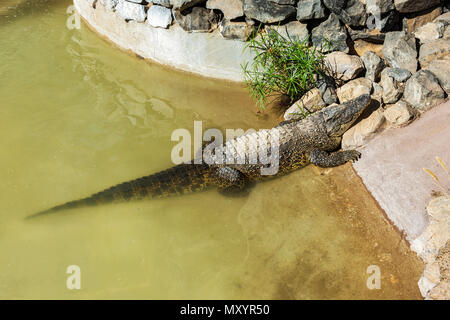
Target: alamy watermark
(74,20)
(250,147)
(73,281)
(374,280)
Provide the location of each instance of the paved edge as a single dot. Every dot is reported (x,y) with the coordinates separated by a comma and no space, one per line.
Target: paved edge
(392,168)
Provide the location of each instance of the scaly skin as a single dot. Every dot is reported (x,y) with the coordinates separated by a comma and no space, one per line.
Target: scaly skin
(300,143)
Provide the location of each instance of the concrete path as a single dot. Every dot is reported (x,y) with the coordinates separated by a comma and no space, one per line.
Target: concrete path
(392,168)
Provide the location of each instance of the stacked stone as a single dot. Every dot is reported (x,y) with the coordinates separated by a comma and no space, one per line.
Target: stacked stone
(396,50)
(400,48)
(360,23)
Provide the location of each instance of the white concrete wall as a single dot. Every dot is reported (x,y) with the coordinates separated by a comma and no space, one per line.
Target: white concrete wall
(206,54)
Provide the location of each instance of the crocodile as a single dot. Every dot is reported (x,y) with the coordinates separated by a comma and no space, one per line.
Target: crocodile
(312,140)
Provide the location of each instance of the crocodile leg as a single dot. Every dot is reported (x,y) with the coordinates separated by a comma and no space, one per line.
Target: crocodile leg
(326,160)
(228,180)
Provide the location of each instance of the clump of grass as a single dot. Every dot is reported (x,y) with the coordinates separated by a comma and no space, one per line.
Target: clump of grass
(435,177)
(282,67)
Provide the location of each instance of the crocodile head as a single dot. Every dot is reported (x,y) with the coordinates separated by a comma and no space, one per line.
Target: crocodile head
(340,118)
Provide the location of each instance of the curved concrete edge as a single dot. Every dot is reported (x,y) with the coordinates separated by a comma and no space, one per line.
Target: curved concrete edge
(205,54)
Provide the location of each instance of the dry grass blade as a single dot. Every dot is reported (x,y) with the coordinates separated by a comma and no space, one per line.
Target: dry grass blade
(436,179)
(431,173)
(442,163)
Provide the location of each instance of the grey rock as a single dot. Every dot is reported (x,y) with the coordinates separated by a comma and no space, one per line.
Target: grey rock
(159,17)
(184,4)
(398,114)
(363,131)
(383,22)
(443,18)
(351,12)
(326,86)
(198,20)
(250,21)
(344,66)
(412,21)
(373,64)
(423,90)
(293,30)
(400,51)
(377,92)
(399,75)
(441,69)
(446,34)
(379,6)
(442,289)
(405,6)
(392,89)
(330,30)
(131,11)
(109,4)
(310,9)
(433,247)
(429,32)
(353,89)
(311,101)
(433,50)
(368,35)
(355,13)
(329,96)
(231,9)
(235,30)
(267,11)
(290,2)
(335,6)
(164,3)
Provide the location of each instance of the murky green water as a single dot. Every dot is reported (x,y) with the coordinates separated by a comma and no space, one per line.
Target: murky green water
(78,115)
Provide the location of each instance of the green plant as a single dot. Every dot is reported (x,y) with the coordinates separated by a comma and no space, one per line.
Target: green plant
(282,66)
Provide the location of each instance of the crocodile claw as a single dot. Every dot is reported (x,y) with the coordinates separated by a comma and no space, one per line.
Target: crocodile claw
(352,155)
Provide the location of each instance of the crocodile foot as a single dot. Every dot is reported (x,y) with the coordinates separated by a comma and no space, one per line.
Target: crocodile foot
(327,160)
(351,155)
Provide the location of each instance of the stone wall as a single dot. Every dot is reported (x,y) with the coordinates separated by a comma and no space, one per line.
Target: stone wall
(200,29)
(208,36)
(236,19)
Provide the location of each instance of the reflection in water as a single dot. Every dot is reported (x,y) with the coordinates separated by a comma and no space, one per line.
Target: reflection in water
(77,116)
(16,9)
(7,6)
(123,99)
(153,99)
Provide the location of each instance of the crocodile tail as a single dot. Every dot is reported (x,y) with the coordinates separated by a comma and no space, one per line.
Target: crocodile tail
(181,179)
